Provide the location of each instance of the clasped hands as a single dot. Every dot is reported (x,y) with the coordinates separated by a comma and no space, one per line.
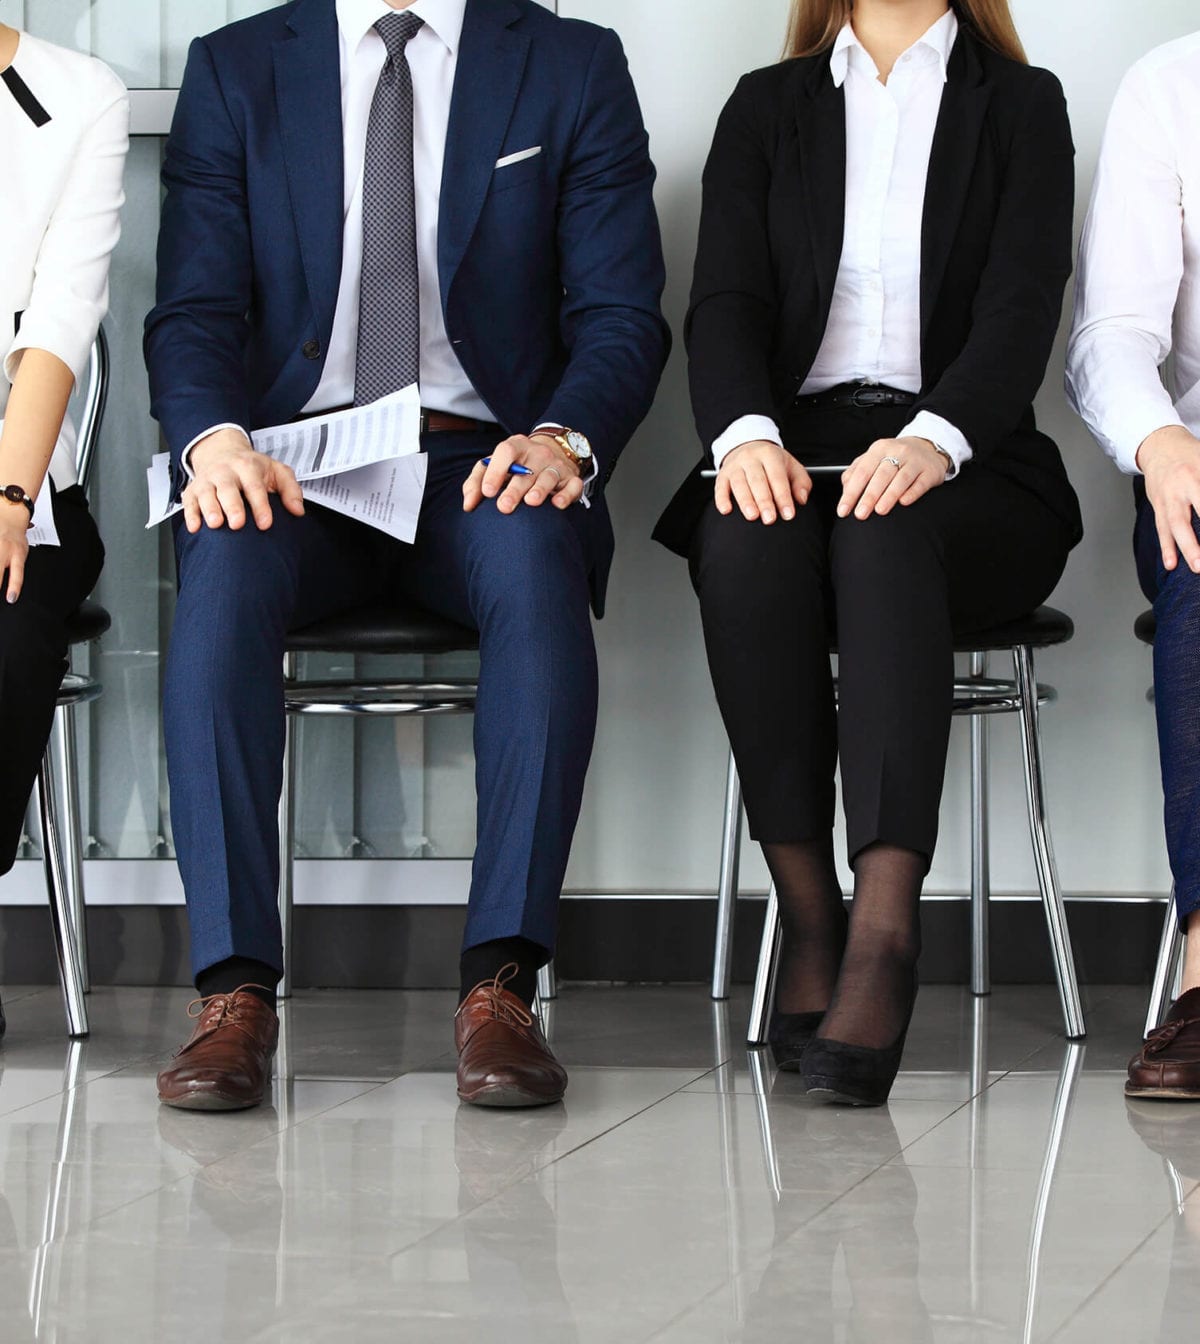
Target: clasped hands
(231,479)
(766,482)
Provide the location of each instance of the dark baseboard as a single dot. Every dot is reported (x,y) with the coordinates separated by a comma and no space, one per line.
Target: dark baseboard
(635,941)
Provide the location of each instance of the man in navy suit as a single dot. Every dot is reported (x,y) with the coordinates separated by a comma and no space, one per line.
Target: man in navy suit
(363,194)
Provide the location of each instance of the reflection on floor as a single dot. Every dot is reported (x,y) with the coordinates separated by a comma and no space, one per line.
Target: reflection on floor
(683,1193)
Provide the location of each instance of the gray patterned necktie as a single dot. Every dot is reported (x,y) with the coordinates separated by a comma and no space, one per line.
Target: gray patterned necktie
(389,319)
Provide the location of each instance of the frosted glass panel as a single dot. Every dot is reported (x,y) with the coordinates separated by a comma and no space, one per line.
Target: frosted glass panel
(145,41)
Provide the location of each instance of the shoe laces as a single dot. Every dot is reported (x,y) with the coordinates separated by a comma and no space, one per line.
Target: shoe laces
(505,1007)
(229,1013)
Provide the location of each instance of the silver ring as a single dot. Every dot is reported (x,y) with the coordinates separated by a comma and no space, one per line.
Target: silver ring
(555,470)
(895,461)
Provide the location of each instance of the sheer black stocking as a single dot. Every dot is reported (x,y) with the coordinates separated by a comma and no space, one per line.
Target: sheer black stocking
(814,924)
(874,996)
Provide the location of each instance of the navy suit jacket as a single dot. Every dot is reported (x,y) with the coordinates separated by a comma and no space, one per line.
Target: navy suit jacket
(551,270)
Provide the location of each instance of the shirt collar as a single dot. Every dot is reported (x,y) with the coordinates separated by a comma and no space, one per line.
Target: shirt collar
(939,39)
(444,18)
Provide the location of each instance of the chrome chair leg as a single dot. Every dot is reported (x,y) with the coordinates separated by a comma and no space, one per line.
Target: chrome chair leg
(1043,850)
(72,831)
(547,983)
(66,945)
(981,972)
(1166,968)
(731,854)
(768,969)
(287,835)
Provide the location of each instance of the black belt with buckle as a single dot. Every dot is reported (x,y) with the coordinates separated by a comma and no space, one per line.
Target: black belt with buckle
(857,396)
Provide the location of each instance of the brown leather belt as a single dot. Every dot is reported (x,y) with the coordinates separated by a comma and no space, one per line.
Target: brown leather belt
(438,422)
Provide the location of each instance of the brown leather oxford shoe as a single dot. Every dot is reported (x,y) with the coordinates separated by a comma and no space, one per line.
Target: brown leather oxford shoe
(226,1065)
(1167,1067)
(503,1057)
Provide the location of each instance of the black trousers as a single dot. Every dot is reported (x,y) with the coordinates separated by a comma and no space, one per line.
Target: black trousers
(33,654)
(892,591)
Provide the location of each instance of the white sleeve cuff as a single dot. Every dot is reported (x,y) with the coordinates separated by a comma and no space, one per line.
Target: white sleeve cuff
(749,429)
(185,458)
(942,434)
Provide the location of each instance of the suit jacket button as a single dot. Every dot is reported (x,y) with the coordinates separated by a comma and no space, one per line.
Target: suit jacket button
(311,350)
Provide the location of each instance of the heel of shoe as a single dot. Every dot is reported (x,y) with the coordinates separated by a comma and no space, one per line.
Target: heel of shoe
(789,1035)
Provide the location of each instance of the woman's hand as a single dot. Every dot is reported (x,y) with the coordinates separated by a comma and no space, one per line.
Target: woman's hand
(1170,462)
(891,472)
(766,482)
(14,548)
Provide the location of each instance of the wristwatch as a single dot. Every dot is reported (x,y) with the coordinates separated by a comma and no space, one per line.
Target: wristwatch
(574,445)
(15,494)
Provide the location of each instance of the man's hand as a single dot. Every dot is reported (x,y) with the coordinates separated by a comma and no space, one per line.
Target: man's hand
(553,476)
(873,483)
(14,547)
(229,477)
(1170,462)
(764,479)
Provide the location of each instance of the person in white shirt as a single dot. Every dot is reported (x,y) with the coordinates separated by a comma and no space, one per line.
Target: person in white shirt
(884,245)
(1138,302)
(64,122)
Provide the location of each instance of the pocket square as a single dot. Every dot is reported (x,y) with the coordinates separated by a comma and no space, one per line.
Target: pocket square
(510,159)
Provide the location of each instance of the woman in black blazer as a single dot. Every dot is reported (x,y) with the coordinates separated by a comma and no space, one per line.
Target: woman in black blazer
(884,244)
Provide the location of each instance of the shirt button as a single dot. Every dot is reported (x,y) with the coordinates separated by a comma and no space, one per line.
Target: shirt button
(311,349)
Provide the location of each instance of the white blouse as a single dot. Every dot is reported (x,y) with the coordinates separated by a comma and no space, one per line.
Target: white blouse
(874,329)
(62,184)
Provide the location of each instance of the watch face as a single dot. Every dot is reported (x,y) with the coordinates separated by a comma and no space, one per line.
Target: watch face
(578,444)
(14,494)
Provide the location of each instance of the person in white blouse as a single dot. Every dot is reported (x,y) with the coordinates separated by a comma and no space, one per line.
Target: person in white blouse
(1138,302)
(64,127)
(884,244)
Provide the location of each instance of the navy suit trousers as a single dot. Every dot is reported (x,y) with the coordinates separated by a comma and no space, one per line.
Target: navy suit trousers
(520,580)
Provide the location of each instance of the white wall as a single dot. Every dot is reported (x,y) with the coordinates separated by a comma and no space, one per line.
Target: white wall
(653,810)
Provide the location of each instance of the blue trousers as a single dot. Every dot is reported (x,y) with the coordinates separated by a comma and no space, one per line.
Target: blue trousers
(1176,597)
(521,580)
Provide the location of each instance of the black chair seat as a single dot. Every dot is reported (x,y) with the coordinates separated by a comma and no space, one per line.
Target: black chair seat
(396,628)
(1041,629)
(88,623)
(1145,627)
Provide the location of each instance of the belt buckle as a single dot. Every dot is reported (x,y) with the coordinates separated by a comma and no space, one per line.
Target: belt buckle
(424,421)
(868,394)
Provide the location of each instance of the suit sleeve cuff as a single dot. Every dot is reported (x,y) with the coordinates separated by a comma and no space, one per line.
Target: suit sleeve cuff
(748,429)
(942,434)
(185,458)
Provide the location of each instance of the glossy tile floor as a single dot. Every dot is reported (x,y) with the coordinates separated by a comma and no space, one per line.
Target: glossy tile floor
(683,1193)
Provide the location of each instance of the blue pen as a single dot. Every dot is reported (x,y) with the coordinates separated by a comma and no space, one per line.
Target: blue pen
(515,468)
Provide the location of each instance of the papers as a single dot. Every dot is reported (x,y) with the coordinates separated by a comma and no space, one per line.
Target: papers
(43,532)
(365,463)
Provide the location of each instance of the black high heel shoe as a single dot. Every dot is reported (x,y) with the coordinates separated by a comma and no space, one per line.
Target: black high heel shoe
(853,1075)
(789,1035)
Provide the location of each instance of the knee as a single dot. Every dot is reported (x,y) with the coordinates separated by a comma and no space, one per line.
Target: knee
(732,556)
(526,563)
(244,569)
(885,548)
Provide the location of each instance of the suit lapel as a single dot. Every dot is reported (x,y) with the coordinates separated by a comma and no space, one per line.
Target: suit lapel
(491,63)
(308,93)
(952,163)
(821,129)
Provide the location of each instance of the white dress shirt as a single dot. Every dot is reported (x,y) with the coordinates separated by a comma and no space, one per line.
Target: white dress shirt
(63,193)
(1137,297)
(874,329)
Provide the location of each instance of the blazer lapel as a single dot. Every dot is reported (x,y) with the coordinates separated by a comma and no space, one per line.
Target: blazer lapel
(491,63)
(821,128)
(951,166)
(308,93)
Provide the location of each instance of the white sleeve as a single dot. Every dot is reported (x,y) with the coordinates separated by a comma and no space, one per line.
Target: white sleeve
(1130,271)
(185,458)
(749,429)
(70,286)
(942,434)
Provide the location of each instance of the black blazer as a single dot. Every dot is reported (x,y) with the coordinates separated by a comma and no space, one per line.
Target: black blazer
(996,256)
